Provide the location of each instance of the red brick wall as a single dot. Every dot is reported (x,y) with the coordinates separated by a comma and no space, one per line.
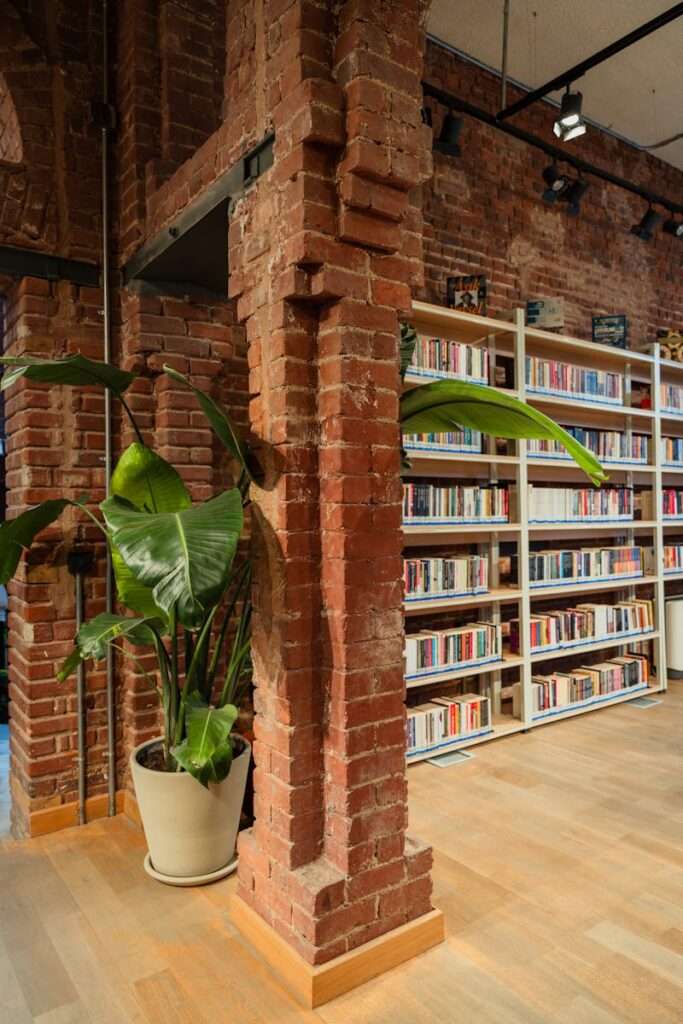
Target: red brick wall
(483,213)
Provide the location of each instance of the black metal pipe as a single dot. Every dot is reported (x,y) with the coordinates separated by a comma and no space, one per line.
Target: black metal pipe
(580,69)
(448,99)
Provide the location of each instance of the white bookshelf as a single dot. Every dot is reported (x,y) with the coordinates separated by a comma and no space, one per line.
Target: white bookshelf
(512,339)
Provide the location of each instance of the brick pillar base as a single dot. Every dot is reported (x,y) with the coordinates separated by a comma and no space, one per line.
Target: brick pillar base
(323,254)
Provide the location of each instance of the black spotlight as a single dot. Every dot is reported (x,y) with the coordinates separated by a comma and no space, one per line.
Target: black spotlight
(673,227)
(647,225)
(447,141)
(557,184)
(570,124)
(574,195)
(426,115)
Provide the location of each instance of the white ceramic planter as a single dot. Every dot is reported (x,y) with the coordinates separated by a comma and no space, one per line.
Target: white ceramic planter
(191,831)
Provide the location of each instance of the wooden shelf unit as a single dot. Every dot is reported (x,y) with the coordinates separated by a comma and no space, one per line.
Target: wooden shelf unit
(512,339)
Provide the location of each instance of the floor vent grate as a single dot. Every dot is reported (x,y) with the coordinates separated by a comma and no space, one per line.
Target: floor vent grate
(446,760)
(644,702)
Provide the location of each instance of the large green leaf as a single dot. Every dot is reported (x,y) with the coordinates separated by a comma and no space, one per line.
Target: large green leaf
(225,429)
(17,535)
(76,370)
(151,484)
(94,638)
(185,557)
(446,405)
(206,753)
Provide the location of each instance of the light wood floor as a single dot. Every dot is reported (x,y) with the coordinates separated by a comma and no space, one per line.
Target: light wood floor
(559,865)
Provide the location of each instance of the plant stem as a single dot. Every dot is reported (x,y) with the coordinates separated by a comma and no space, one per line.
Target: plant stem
(129,413)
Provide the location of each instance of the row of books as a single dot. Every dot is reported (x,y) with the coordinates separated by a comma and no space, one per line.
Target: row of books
(610,445)
(444,719)
(673,557)
(456,441)
(671,396)
(550,376)
(570,504)
(672,450)
(570,627)
(567,565)
(433,356)
(672,503)
(431,651)
(562,689)
(455,503)
(446,577)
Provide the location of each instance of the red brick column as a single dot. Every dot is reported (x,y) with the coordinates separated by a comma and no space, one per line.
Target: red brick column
(322,255)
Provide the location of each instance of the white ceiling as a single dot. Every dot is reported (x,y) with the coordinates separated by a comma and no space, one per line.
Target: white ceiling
(636,94)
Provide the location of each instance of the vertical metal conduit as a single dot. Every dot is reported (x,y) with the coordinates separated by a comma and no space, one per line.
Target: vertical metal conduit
(106,315)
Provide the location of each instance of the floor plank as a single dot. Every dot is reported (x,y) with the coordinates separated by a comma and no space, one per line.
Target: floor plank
(558,862)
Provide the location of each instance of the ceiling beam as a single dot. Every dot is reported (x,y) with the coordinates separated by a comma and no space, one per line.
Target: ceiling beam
(453,102)
(573,74)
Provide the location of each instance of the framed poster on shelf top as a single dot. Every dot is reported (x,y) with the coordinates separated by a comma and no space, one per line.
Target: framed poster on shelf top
(467,293)
(611,330)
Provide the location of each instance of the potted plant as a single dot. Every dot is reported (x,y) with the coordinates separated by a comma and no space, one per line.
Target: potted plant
(187,598)
(185,595)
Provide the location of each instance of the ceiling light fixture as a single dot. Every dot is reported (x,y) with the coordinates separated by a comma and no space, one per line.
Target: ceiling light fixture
(673,227)
(447,141)
(647,224)
(570,124)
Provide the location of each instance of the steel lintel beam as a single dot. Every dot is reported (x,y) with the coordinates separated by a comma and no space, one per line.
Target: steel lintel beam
(18,262)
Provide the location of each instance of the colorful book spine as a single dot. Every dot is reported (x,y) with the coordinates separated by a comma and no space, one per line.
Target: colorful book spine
(453,504)
(446,650)
(671,397)
(672,503)
(574,504)
(587,684)
(456,441)
(429,578)
(673,558)
(551,377)
(584,624)
(552,567)
(672,451)
(438,357)
(607,445)
(445,720)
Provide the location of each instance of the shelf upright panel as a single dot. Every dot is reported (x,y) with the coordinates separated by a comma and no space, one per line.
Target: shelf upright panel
(523,540)
(657,501)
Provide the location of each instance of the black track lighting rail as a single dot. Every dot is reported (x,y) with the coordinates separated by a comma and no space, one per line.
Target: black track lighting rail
(453,102)
(580,69)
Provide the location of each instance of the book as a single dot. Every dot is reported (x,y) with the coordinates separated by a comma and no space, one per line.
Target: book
(671,397)
(467,293)
(442,358)
(672,503)
(611,329)
(432,724)
(574,504)
(564,689)
(431,651)
(545,312)
(673,558)
(449,503)
(672,451)
(552,566)
(549,376)
(584,623)
(607,445)
(445,577)
(455,441)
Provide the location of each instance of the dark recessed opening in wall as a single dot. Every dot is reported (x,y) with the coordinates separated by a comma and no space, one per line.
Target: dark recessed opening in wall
(4,684)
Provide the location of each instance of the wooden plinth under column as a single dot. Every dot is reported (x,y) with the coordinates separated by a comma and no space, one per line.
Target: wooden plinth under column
(314,985)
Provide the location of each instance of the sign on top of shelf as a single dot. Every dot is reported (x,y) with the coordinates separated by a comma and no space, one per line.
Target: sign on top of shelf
(611,330)
(545,312)
(467,293)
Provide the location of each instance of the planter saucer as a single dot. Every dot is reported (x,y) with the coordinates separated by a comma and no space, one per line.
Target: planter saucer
(188,880)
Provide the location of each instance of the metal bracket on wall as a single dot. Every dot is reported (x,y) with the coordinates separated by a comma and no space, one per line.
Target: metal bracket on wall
(194,248)
(16,262)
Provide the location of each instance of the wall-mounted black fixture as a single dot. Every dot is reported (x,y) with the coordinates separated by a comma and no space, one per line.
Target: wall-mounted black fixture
(647,224)
(447,141)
